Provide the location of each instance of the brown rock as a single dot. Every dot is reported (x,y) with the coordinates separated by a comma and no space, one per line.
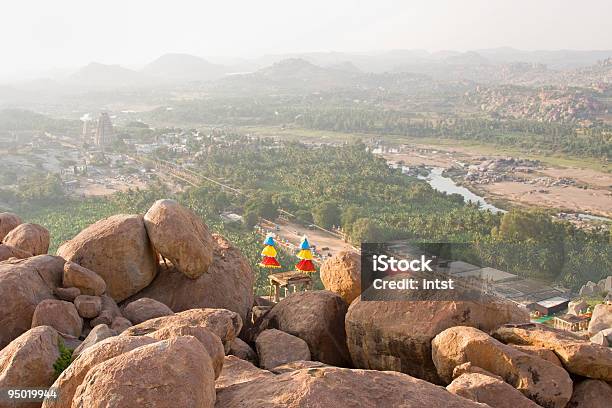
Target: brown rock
(96,335)
(118,250)
(145,309)
(105,317)
(317,317)
(469,368)
(297,365)
(488,390)
(338,387)
(539,380)
(23,285)
(60,315)
(67,294)
(227,285)
(242,350)
(31,238)
(543,353)
(601,319)
(73,376)
(578,356)
(577,307)
(603,338)
(120,324)
(591,394)
(8,252)
(8,222)
(275,348)
(238,371)
(88,282)
(396,335)
(341,274)
(141,378)
(109,305)
(88,307)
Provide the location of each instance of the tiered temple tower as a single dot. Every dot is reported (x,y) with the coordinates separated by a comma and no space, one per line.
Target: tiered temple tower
(104,132)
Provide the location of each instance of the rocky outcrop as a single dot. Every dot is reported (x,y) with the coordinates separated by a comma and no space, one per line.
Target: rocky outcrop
(8,252)
(489,390)
(242,350)
(396,335)
(603,338)
(60,315)
(275,348)
(227,285)
(578,356)
(31,238)
(238,371)
(180,236)
(118,249)
(469,368)
(96,335)
(543,353)
(145,309)
(87,281)
(134,377)
(601,319)
(23,285)
(317,317)
(297,365)
(88,307)
(8,222)
(577,307)
(591,394)
(341,274)
(539,380)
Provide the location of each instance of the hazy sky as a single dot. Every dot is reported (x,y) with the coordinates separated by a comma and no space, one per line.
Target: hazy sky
(40,35)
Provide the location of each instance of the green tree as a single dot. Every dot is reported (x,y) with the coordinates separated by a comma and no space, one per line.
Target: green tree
(326,214)
(365,230)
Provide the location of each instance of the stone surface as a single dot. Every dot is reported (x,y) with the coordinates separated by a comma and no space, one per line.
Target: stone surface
(105,317)
(180,236)
(543,353)
(488,390)
(317,317)
(118,250)
(275,348)
(603,338)
(577,307)
(338,387)
(591,394)
(87,281)
(227,285)
(96,335)
(142,378)
(67,294)
(341,274)
(31,238)
(396,335)
(578,356)
(109,305)
(242,350)
(543,382)
(237,371)
(23,285)
(145,309)
(88,307)
(8,252)
(28,362)
(601,319)
(297,365)
(469,368)
(73,376)
(60,315)
(8,222)
(120,324)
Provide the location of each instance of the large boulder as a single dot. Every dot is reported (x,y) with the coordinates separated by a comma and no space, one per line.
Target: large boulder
(31,238)
(591,394)
(577,307)
(180,236)
(601,319)
(275,348)
(142,378)
(62,316)
(341,274)
(489,390)
(73,376)
(578,356)
(338,387)
(543,382)
(8,252)
(118,249)
(28,362)
(23,285)
(145,309)
(96,335)
(543,353)
(603,338)
(237,371)
(87,281)
(317,317)
(396,335)
(227,285)
(241,349)
(67,294)
(88,307)
(8,222)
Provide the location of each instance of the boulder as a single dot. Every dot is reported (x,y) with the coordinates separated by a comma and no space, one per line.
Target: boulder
(31,238)
(578,356)
(396,335)
(603,338)
(227,285)
(145,309)
(120,324)
(469,368)
(88,307)
(142,378)
(317,317)
(87,281)
(105,317)
(589,289)
(601,318)
(489,390)
(8,222)
(237,371)
(577,307)
(96,335)
(605,284)
(297,365)
(118,250)
(591,394)
(543,353)
(8,252)
(222,322)
(60,315)
(73,376)
(341,274)
(543,382)
(275,348)
(338,387)
(23,285)
(109,305)
(242,350)
(180,236)
(67,294)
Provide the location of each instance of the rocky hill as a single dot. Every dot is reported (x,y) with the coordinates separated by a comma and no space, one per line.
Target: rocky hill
(155,311)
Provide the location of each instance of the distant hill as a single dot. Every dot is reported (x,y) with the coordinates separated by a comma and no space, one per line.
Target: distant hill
(183,67)
(96,75)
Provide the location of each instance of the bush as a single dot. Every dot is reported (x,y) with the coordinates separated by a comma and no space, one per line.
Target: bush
(64,359)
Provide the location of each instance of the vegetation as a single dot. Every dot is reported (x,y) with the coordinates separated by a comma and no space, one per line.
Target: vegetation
(63,361)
